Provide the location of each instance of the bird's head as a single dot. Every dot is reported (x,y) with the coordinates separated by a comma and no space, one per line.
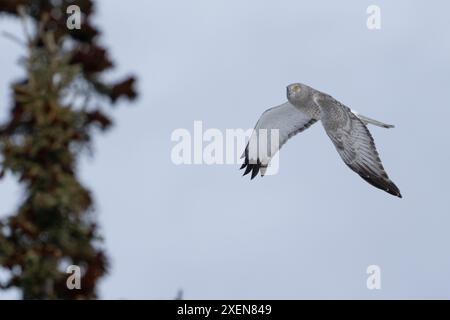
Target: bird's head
(297,92)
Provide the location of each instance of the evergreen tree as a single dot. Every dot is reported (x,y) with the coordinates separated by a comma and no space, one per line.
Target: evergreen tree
(55,113)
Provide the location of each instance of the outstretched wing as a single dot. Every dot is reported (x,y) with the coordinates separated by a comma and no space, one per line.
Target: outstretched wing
(354,143)
(285,118)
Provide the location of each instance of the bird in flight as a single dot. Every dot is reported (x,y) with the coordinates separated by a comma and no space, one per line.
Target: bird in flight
(346,128)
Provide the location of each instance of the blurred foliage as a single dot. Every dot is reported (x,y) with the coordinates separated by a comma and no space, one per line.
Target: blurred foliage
(40,142)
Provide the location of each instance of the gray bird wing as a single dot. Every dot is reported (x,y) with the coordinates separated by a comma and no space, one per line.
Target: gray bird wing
(354,143)
(288,120)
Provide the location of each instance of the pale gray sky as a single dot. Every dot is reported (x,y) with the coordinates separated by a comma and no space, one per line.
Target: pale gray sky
(310,231)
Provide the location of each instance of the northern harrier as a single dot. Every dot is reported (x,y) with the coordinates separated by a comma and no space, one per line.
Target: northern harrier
(346,129)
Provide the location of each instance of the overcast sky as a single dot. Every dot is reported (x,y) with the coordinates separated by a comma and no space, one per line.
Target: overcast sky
(311,230)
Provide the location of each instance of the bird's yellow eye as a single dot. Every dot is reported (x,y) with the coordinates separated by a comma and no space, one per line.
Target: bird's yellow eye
(296,88)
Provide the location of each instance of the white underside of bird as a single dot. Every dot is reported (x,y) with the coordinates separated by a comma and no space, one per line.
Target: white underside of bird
(346,128)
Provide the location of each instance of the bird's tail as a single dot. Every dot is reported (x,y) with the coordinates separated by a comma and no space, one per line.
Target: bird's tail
(368,120)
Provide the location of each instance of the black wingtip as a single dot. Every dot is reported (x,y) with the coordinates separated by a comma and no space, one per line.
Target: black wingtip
(247,170)
(255,171)
(395,193)
(383,183)
(254,168)
(393,189)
